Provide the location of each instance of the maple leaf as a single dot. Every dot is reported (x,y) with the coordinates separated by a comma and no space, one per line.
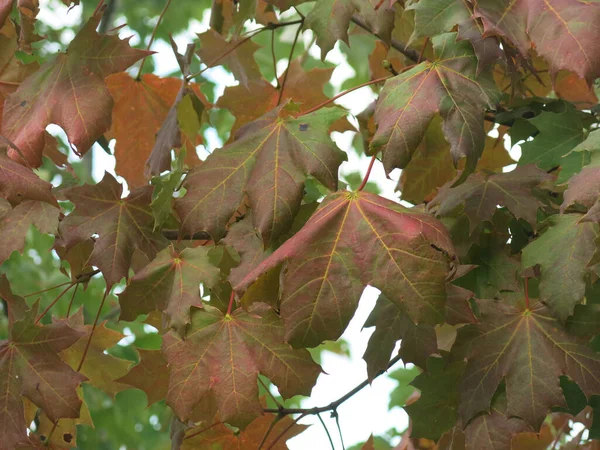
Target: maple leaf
(559,133)
(481,193)
(563,252)
(584,188)
(15,223)
(435,411)
(12,71)
(170,283)
(305,88)
(30,367)
(356,239)
(224,438)
(529,350)
(18,183)
(494,431)
(239,60)
(433,17)
(496,271)
(222,356)
(562,32)
(123,226)
(150,375)
(101,368)
(330,20)
(448,86)
(392,324)
(431,166)
(141,106)
(269,161)
(69,91)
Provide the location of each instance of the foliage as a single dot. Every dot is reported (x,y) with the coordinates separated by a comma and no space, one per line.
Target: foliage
(184,300)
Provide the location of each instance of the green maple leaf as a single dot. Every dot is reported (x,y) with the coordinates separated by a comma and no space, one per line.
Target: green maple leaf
(170,283)
(435,411)
(269,162)
(447,86)
(123,225)
(480,194)
(354,240)
(330,20)
(30,367)
(220,359)
(562,32)
(563,252)
(496,271)
(392,324)
(529,350)
(69,91)
(559,133)
(15,222)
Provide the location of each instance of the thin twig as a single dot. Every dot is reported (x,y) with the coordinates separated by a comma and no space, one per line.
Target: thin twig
(410,53)
(285,75)
(89,341)
(337,422)
(48,289)
(341,94)
(333,406)
(202,430)
(160,18)
(274,57)
(54,302)
(71,302)
(326,431)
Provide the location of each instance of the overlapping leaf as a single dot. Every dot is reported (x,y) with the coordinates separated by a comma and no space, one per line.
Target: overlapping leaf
(18,183)
(354,240)
(15,222)
(330,20)
(564,32)
(141,107)
(123,226)
(68,90)
(563,252)
(170,283)
(448,86)
(480,195)
(529,350)
(305,88)
(150,375)
(221,357)
(392,325)
(268,162)
(30,367)
(224,438)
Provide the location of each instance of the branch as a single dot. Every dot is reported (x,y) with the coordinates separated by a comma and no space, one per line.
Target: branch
(333,405)
(410,53)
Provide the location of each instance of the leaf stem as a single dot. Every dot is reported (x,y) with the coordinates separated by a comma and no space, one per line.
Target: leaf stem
(274,57)
(266,435)
(71,302)
(231,298)
(326,431)
(288,428)
(368,174)
(202,430)
(89,341)
(54,302)
(423,50)
(48,289)
(341,94)
(527,292)
(160,18)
